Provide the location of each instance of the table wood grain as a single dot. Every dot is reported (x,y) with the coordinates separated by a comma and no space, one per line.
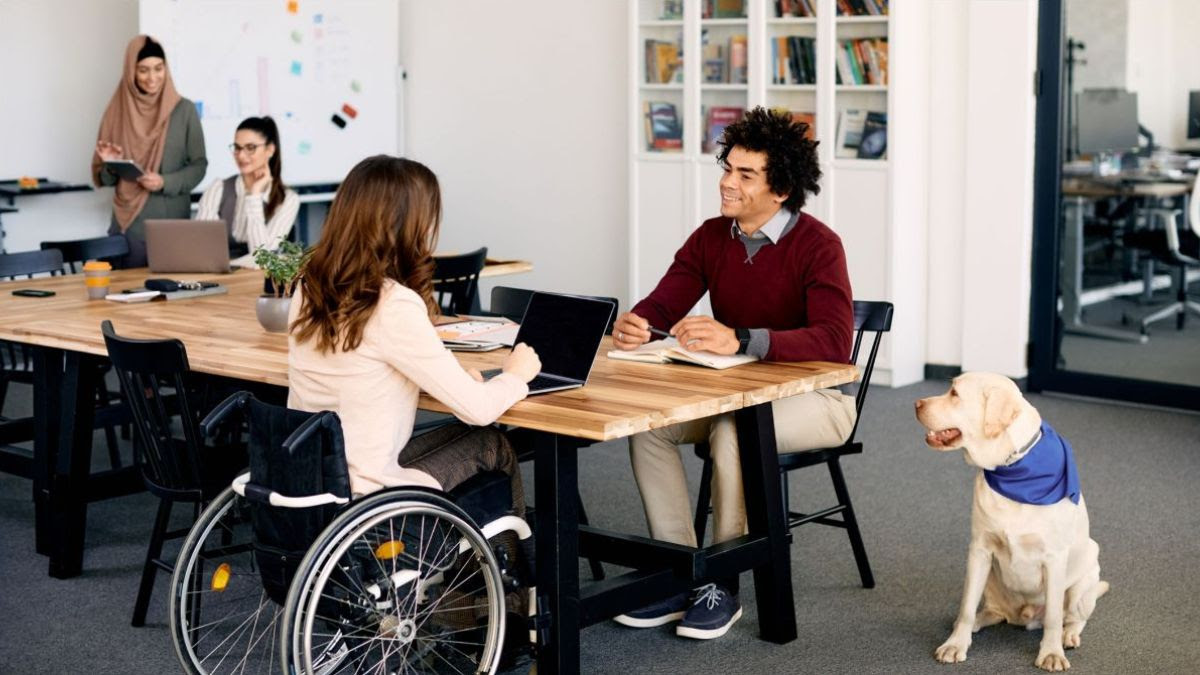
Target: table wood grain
(223,338)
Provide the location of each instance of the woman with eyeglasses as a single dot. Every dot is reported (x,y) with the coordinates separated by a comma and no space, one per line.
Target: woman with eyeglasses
(148,122)
(257,208)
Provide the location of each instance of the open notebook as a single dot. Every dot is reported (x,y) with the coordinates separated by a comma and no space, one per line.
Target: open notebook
(668,350)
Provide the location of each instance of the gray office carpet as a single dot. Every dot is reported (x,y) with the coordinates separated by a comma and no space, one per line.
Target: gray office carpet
(1139,469)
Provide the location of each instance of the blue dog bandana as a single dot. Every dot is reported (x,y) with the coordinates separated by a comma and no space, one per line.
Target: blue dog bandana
(1045,475)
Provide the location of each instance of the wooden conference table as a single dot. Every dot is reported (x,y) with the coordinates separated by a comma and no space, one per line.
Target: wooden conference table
(224,339)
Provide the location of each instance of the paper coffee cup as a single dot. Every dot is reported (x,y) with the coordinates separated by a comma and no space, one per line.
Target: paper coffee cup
(96,277)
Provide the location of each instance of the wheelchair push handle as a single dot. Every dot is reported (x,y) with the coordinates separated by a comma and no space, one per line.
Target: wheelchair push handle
(256,493)
(209,424)
(325,420)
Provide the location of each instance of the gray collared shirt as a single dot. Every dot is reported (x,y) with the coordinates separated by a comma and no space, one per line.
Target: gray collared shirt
(768,235)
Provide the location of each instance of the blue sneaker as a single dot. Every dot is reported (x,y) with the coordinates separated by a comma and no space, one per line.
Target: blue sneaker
(657,613)
(712,613)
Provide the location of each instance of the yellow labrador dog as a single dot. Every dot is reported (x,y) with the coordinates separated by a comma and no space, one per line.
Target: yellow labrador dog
(1031,559)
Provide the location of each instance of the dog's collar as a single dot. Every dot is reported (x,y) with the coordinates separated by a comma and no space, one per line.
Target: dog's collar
(1016,456)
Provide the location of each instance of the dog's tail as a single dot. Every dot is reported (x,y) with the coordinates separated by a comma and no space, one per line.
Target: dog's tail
(1087,603)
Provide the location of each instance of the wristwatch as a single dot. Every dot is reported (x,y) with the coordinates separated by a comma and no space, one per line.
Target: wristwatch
(743,338)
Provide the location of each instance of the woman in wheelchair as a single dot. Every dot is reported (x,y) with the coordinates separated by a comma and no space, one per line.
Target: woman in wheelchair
(339,552)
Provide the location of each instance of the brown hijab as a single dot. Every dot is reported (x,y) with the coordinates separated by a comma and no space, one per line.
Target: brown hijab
(138,123)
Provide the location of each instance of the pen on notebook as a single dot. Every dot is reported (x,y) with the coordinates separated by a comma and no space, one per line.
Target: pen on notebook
(656,331)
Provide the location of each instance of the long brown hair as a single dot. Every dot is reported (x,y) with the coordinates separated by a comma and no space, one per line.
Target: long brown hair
(383,225)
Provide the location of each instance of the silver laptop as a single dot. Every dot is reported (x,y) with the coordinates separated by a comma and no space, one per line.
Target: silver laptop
(565,331)
(187,246)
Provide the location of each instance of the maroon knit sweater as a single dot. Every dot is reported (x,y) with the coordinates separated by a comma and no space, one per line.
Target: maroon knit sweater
(798,289)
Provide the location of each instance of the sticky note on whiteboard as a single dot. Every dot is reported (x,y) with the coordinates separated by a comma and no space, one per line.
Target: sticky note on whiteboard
(293,6)
(349,110)
(337,119)
(296,67)
(297,36)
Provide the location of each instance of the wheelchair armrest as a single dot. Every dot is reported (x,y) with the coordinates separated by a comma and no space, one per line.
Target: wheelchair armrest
(323,420)
(218,414)
(243,487)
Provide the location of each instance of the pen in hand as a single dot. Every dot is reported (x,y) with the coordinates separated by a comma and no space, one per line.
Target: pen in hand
(655,331)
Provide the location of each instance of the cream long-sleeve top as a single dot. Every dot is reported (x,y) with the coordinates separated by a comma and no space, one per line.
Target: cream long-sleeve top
(374,388)
(250,225)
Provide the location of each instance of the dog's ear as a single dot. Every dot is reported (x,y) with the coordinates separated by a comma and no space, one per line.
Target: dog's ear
(1000,409)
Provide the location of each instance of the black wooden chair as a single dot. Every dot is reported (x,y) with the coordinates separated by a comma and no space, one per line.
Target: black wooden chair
(78,251)
(510,303)
(154,377)
(456,281)
(869,317)
(16,360)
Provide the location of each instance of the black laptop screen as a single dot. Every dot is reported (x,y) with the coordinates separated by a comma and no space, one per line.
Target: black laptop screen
(565,331)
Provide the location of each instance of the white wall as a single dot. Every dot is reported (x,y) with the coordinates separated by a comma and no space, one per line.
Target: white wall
(1163,65)
(64,59)
(520,108)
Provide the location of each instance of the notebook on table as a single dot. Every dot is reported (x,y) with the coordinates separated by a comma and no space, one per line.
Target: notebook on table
(668,350)
(187,246)
(565,331)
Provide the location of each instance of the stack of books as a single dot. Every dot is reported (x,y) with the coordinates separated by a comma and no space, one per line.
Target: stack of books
(863,61)
(723,9)
(862,7)
(664,61)
(717,118)
(861,134)
(794,60)
(795,8)
(663,131)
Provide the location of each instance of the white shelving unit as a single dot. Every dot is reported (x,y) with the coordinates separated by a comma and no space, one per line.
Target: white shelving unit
(879,212)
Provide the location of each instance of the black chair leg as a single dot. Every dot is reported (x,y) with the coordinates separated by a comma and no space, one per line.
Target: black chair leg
(110,433)
(149,570)
(703,500)
(597,568)
(856,542)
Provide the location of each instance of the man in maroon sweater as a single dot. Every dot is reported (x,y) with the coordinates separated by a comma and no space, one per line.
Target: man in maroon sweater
(777,281)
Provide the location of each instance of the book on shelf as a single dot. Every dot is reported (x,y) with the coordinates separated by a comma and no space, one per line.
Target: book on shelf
(715,65)
(663,62)
(668,350)
(672,10)
(849,132)
(862,61)
(809,119)
(873,142)
(723,9)
(862,7)
(717,118)
(663,131)
(737,59)
(794,60)
(799,8)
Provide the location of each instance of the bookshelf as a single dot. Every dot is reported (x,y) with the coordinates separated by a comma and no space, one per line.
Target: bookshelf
(879,212)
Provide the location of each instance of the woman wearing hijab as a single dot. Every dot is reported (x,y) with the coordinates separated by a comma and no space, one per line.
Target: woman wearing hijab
(147,121)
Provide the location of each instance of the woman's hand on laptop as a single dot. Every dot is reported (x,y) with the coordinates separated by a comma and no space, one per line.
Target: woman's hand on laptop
(522,362)
(151,181)
(630,331)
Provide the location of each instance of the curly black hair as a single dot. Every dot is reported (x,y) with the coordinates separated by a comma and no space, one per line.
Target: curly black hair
(792,166)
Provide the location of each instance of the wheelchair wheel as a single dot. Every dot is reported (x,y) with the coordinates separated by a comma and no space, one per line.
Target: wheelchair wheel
(402,581)
(221,618)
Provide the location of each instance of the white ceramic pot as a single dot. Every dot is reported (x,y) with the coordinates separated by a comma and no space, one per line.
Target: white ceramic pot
(272,312)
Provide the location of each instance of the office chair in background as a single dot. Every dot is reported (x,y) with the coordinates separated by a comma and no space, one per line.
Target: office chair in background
(1177,245)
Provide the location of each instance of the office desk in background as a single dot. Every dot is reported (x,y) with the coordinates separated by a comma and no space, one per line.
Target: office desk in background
(1077,192)
(622,398)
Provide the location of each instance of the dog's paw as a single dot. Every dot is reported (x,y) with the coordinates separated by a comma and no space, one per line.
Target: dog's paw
(1071,633)
(1052,660)
(952,652)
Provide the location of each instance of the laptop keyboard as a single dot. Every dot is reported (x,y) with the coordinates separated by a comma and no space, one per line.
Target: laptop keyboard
(538,382)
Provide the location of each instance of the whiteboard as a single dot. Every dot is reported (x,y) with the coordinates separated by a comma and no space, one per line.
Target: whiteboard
(325,70)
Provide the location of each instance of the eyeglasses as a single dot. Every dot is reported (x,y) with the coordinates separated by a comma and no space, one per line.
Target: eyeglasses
(249,148)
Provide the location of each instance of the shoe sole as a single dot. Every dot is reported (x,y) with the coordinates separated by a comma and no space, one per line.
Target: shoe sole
(632,622)
(707,634)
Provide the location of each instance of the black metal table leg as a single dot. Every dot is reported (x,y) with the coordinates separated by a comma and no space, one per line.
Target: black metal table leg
(47,385)
(72,458)
(556,484)
(766,518)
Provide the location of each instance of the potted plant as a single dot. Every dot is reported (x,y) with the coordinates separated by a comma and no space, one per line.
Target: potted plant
(281,267)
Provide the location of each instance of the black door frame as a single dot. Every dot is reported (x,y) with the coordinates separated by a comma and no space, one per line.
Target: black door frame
(1044,327)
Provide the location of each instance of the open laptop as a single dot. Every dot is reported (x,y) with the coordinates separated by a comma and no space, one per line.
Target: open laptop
(565,331)
(187,246)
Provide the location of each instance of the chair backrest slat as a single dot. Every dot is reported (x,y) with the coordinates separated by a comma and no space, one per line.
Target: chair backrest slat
(869,317)
(78,251)
(456,280)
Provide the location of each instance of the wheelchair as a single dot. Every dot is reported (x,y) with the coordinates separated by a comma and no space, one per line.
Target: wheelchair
(284,572)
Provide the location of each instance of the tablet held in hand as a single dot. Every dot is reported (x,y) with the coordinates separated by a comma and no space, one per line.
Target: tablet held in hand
(124,168)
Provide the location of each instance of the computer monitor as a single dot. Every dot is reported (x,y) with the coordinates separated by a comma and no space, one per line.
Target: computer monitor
(1108,121)
(1193,125)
